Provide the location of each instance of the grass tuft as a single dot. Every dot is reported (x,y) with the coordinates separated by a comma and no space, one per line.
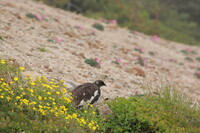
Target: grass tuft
(42,49)
(8,71)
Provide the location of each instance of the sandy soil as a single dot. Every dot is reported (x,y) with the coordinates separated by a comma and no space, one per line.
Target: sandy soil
(68,39)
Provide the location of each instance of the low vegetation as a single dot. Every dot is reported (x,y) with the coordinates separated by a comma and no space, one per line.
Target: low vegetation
(39,105)
(42,49)
(98,27)
(44,105)
(166,113)
(92,62)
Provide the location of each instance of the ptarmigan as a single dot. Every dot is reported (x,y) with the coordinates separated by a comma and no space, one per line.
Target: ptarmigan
(87,93)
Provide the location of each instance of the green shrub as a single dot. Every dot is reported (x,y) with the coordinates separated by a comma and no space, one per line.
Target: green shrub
(98,27)
(152,114)
(198,58)
(92,62)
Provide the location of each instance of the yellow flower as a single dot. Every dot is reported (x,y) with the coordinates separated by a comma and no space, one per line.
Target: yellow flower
(56,113)
(74,115)
(2,79)
(68,117)
(25,101)
(40,98)
(68,100)
(32,103)
(49,93)
(31,90)
(21,68)
(82,120)
(90,105)
(18,97)
(3,62)
(1,96)
(16,79)
(8,98)
(64,90)
(57,92)
(32,83)
(94,128)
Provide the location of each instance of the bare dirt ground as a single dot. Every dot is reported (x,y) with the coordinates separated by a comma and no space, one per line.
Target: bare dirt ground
(68,39)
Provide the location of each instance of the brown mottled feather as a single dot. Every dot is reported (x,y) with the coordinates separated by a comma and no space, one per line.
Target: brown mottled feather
(89,90)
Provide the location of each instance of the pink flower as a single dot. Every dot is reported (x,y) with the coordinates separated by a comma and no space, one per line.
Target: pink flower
(113,21)
(118,60)
(172,60)
(97,60)
(141,50)
(58,40)
(156,38)
(103,20)
(79,27)
(38,17)
(188,50)
(137,33)
(137,58)
(93,32)
(198,73)
(125,64)
(144,60)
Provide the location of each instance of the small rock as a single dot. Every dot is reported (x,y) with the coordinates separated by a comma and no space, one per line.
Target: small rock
(72,34)
(104,110)
(139,71)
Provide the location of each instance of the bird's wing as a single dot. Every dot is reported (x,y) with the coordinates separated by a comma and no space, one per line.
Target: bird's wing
(84,92)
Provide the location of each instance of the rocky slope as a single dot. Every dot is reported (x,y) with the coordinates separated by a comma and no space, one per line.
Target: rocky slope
(55,43)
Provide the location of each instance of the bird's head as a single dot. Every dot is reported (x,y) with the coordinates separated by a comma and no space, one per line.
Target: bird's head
(100,83)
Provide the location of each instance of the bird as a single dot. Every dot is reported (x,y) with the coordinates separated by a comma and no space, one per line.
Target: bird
(87,94)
